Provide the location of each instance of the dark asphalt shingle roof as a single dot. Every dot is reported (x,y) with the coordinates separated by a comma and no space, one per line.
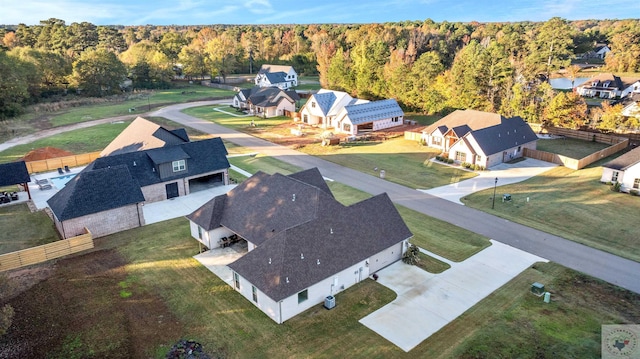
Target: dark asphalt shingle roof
(625,161)
(95,190)
(510,133)
(14,173)
(328,235)
(167,154)
(276,77)
(269,96)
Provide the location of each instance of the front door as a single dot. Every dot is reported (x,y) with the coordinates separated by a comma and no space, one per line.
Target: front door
(172,190)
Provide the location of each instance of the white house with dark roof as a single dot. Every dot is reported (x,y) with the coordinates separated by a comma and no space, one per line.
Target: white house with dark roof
(481,138)
(607,85)
(281,76)
(303,244)
(624,170)
(107,196)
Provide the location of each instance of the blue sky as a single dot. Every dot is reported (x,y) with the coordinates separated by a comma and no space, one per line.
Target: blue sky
(202,12)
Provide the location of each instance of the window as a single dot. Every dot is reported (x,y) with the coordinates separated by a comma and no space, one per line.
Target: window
(346,127)
(461,156)
(436,141)
(614,176)
(199,232)
(178,166)
(519,148)
(636,183)
(478,158)
(305,118)
(313,104)
(254,292)
(303,296)
(236,280)
(395,119)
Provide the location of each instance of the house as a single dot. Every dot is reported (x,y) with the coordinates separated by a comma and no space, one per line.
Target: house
(631,105)
(107,196)
(609,86)
(624,170)
(598,52)
(266,101)
(481,138)
(303,245)
(339,111)
(280,76)
(142,134)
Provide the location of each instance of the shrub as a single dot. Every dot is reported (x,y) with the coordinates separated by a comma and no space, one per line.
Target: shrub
(464,164)
(616,187)
(634,192)
(411,255)
(438,158)
(422,142)
(449,160)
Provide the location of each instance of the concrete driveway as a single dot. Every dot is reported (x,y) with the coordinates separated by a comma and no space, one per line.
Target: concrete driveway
(427,302)
(504,172)
(181,206)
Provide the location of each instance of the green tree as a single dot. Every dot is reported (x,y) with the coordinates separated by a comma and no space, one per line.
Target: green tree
(98,72)
(566,110)
(109,38)
(25,36)
(14,85)
(82,36)
(551,48)
(171,45)
(609,117)
(368,60)
(422,93)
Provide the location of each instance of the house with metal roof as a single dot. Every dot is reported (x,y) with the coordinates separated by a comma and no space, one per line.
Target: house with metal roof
(323,106)
(281,76)
(607,85)
(624,170)
(481,138)
(303,245)
(107,196)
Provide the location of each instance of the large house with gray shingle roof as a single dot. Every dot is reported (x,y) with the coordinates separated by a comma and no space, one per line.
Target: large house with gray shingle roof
(142,134)
(339,111)
(108,195)
(608,85)
(281,76)
(624,170)
(266,102)
(303,244)
(481,138)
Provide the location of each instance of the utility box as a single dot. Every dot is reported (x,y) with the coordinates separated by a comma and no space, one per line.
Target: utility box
(506,197)
(382,173)
(537,289)
(329,302)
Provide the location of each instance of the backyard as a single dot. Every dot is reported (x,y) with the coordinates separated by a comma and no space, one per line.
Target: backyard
(570,147)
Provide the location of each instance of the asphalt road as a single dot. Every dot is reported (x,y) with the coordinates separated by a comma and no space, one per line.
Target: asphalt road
(611,268)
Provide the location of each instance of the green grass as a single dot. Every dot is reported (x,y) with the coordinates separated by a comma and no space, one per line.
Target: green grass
(263,163)
(422,119)
(242,124)
(570,147)
(574,205)
(431,264)
(23,229)
(141,103)
(90,139)
(404,162)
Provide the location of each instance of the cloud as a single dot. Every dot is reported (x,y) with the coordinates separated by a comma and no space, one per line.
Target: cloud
(259,6)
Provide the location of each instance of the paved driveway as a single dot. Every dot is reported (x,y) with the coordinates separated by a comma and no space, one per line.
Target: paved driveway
(181,206)
(427,302)
(505,173)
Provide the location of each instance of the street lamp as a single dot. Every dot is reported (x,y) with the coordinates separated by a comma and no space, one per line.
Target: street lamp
(495,184)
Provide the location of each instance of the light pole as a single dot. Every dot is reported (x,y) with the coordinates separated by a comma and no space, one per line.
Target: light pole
(495,184)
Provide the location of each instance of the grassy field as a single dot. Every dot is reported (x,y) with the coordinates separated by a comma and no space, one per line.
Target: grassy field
(240,122)
(23,229)
(570,147)
(574,205)
(404,162)
(90,139)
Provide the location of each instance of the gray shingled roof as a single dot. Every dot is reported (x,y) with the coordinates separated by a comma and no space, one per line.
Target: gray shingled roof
(510,133)
(276,77)
(267,68)
(625,161)
(472,118)
(14,173)
(312,225)
(373,111)
(267,96)
(95,190)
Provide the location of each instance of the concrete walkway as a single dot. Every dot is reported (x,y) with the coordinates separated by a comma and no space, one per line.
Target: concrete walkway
(217,259)
(427,302)
(181,206)
(504,172)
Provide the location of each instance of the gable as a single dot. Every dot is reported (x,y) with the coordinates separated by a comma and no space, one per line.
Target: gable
(473,119)
(626,161)
(14,173)
(142,135)
(510,133)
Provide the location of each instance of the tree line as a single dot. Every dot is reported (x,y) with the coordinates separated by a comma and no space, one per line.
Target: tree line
(427,66)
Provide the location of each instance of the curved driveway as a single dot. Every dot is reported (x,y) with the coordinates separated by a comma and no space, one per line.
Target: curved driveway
(599,264)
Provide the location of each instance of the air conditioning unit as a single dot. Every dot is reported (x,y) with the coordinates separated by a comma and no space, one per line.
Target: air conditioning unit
(329,302)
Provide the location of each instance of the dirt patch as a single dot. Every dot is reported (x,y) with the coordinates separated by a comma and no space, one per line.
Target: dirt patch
(45,153)
(88,307)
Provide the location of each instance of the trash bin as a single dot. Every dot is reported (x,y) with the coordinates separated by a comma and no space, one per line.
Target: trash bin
(382,173)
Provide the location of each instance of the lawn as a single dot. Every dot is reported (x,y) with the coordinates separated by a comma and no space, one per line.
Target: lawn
(23,229)
(405,162)
(570,147)
(240,122)
(574,205)
(90,139)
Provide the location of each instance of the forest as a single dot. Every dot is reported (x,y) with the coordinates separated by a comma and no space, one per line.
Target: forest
(428,67)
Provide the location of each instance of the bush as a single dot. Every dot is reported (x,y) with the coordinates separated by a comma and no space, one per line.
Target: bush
(634,192)
(478,167)
(616,187)
(449,160)
(411,255)
(438,158)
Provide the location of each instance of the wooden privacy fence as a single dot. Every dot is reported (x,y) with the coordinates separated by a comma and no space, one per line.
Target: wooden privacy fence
(46,252)
(610,138)
(572,162)
(52,164)
(413,136)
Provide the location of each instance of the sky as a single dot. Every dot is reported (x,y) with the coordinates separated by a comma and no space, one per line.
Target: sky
(208,12)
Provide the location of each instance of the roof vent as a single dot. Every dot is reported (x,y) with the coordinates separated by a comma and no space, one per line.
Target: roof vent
(318,262)
(301,256)
(269,260)
(153,169)
(286,279)
(294,197)
(134,163)
(331,230)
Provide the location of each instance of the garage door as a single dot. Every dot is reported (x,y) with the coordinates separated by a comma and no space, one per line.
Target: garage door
(385,258)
